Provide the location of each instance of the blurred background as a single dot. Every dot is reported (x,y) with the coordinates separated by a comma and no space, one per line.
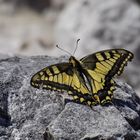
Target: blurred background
(34,27)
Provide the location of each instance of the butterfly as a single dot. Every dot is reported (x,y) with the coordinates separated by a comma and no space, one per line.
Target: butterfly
(89,80)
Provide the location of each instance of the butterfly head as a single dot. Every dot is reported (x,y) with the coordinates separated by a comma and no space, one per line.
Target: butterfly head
(73,61)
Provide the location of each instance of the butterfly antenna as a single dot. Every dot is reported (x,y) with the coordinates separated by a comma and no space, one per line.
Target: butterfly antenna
(63,50)
(76,46)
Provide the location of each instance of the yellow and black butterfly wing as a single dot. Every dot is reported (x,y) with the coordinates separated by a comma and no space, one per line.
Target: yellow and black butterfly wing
(63,76)
(101,67)
(54,77)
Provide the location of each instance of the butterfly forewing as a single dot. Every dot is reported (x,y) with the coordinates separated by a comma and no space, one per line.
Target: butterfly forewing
(50,76)
(101,67)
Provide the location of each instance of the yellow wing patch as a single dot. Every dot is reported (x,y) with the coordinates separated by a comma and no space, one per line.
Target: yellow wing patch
(99,56)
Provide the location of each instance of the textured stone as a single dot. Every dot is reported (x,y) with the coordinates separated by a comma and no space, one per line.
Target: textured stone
(36,114)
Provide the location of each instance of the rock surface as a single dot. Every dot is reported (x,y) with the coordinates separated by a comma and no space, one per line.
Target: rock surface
(29,113)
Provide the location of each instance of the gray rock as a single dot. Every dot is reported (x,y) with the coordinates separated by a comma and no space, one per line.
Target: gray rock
(120,121)
(33,114)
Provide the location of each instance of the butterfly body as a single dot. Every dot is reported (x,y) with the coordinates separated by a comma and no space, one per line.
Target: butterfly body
(88,80)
